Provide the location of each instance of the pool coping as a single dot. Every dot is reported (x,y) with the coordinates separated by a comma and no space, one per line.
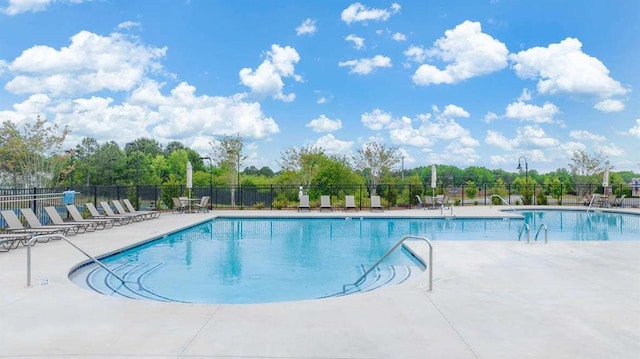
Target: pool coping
(482,306)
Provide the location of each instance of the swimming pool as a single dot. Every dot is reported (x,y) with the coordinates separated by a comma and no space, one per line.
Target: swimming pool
(230,260)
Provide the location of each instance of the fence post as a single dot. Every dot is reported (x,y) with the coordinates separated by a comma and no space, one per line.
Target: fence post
(484,189)
(35,197)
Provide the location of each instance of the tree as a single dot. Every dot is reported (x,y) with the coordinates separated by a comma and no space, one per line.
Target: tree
(584,167)
(375,160)
(227,154)
(32,157)
(304,162)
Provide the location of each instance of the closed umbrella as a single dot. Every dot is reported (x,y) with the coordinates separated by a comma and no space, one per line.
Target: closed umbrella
(433,180)
(605,179)
(189,177)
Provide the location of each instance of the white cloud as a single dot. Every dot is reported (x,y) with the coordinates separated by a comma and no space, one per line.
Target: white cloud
(586,135)
(495,138)
(635,130)
(609,105)
(21,6)
(525,96)
(359,13)
(490,117)
(91,63)
(308,27)
(527,138)
(365,66)
(127,25)
(376,120)
(452,111)
(324,124)
(416,54)
(468,51)
(564,68)
(610,150)
(527,112)
(266,80)
(332,145)
(398,36)
(358,42)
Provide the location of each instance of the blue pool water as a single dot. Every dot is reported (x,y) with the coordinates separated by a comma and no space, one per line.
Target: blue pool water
(270,260)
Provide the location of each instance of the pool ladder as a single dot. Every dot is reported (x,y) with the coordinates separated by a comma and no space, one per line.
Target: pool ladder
(525,228)
(429,266)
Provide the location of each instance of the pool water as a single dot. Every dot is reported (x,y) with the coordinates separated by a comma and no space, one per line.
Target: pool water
(272,260)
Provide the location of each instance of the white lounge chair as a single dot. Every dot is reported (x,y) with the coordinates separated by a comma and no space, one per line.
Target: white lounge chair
(136,215)
(34,222)
(350,203)
(375,203)
(325,203)
(101,223)
(15,226)
(149,214)
(304,203)
(96,214)
(55,218)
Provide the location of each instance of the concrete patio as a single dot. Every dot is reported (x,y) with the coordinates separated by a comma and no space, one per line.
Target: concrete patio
(490,299)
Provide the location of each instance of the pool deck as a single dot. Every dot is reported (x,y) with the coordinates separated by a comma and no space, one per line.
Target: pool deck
(490,299)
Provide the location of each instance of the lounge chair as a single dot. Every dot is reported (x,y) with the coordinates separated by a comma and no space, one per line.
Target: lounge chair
(10,241)
(304,203)
(150,214)
(325,203)
(110,213)
(15,226)
(55,218)
(178,206)
(350,203)
(101,223)
(203,205)
(137,216)
(618,201)
(34,222)
(375,203)
(96,214)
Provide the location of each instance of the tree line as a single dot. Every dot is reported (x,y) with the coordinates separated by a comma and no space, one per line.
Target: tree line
(32,156)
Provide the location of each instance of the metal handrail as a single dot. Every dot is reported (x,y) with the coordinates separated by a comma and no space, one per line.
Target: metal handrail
(505,202)
(430,265)
(525,226)
(60,236)
(545,232)
(591,202)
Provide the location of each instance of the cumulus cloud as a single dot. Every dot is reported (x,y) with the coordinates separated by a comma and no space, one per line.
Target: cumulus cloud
(266,80)
(365,66)
(525,96)
(358,42)
(527,138)
(308,27)
(21,6)
(452,111)
(609,105)
(91,63)
(416,54)
(398,36)
(324,124)
(635,130)
(375,120)
(127,25)
(528,112)
(586,135)
(468,51)
(332,145)
(359,13)
(564,68)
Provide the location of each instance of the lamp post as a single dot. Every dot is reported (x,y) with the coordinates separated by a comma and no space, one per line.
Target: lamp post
(526,174)
(210,176)
(526,168)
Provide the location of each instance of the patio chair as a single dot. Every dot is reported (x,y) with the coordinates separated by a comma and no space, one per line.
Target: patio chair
(350,203)
(203,206)
(101,223)
(110,213)
(429,202)
(618,201)
(178,206)
(10,241)
(442,202)
(325,203)
(150,214)
(15,226)
(34,222)
(304,203)
(96,214)
(55,218)
(137,216)
(375,203)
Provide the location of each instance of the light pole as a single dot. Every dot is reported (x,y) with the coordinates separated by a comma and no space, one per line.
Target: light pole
(526,174)
(526,168)
(210,177)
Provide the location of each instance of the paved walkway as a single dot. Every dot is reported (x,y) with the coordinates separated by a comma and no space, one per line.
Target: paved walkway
(490,299)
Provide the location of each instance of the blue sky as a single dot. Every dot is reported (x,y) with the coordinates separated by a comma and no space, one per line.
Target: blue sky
(465,83)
